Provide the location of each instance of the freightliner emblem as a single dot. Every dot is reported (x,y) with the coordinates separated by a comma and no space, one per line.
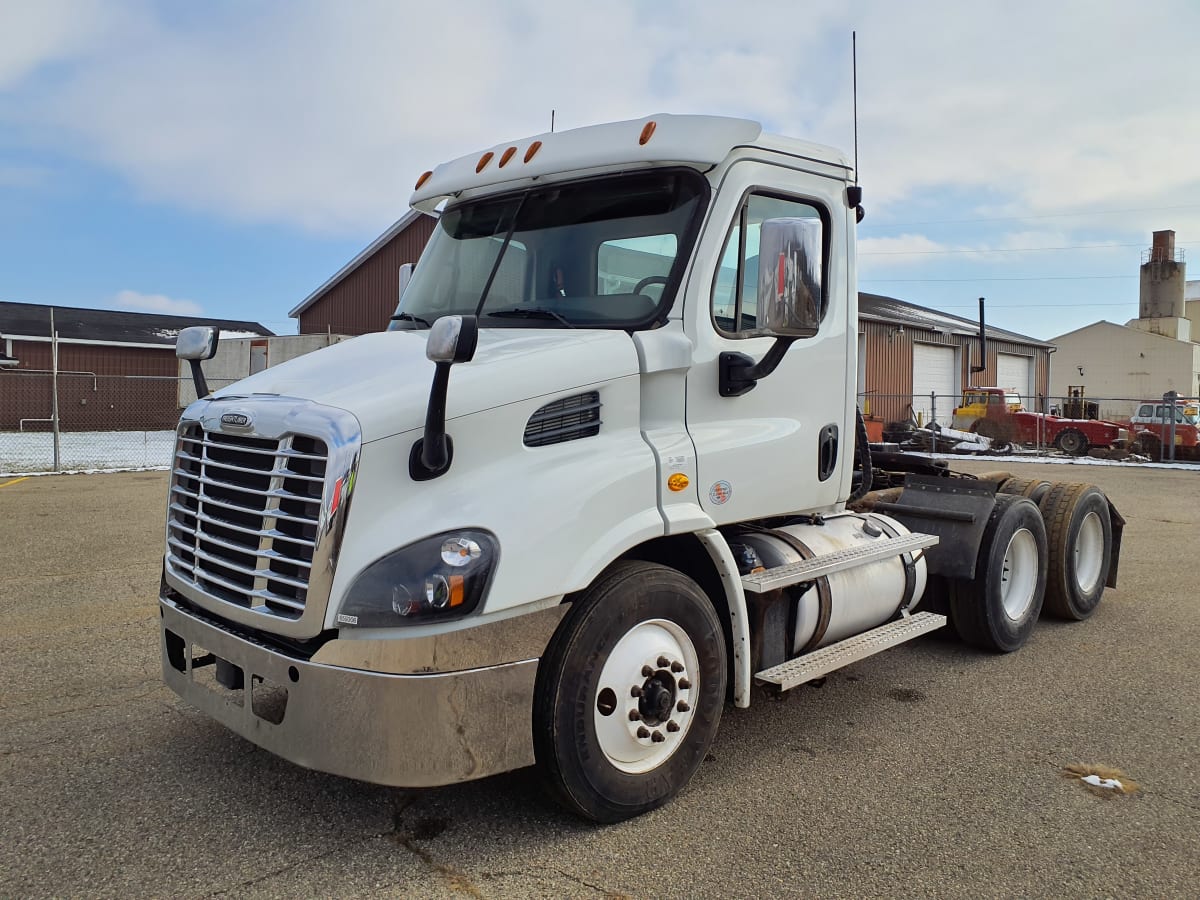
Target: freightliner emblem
(239,420)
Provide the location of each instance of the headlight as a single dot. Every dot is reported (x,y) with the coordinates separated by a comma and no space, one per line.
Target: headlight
(435,579)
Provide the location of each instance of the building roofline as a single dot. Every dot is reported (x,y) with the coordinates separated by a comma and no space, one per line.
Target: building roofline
(952,323)
(398,226)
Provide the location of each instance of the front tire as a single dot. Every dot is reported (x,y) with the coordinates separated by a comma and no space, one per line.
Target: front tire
(998,608)
(1072,441)
(629,693)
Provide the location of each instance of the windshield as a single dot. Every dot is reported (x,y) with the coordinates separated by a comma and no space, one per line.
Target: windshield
(601,253)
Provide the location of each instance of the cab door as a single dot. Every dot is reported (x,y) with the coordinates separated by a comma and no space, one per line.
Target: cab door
(786,445)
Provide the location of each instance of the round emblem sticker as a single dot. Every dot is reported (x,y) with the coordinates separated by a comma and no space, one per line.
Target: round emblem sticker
(720,492)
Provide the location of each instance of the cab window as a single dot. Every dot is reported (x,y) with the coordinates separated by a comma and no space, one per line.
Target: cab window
(736,288)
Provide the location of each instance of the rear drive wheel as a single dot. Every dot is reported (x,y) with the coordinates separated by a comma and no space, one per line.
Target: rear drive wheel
(1071,441)
(999,607)
(629,693)
(1025,487)
(1079,538)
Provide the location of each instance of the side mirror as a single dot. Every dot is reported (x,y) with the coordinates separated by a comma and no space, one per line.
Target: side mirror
(198,342)
(789,277)
(194,344)
(452,339)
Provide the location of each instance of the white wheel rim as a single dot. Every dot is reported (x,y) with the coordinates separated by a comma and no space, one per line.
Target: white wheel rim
(1018,577)
(633,736)
(1089,552)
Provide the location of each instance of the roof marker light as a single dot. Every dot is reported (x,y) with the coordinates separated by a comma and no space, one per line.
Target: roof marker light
(647,132)
(508,154)
(532,151)
(424,178)
(483,161)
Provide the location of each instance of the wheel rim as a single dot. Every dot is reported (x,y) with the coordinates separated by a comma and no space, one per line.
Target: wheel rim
(1018,577)
(1089,552)
(643,703)
(1069,443)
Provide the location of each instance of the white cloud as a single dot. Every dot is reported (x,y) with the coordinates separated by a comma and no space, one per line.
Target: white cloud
(158,303)
(321,116)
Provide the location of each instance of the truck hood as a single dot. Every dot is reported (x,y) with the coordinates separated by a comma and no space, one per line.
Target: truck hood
(384,378)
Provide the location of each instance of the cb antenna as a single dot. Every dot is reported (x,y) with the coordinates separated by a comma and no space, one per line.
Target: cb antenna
(552,121)
(854,192)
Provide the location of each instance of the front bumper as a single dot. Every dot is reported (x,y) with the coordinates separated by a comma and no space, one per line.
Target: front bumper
(399,730)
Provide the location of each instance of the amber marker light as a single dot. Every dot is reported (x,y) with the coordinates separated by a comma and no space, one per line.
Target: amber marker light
(424,178)
(647,132)
(678,482)
(456,590)
(508,154)
(483,161)
(532,151)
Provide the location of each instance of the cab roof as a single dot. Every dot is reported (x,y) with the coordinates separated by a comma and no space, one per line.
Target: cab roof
(654,140)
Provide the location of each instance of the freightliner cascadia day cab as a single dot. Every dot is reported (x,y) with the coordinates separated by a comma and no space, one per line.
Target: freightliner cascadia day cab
(601,476)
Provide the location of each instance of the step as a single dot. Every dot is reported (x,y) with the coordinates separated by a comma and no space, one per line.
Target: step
(828,563)
(821,662)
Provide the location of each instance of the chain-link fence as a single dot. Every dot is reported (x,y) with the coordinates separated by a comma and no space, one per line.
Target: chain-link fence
(1159,428)
(81,421)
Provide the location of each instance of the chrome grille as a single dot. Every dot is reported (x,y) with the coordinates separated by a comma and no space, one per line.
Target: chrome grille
(244,516)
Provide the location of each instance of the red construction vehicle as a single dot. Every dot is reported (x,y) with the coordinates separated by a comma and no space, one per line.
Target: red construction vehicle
(997,413)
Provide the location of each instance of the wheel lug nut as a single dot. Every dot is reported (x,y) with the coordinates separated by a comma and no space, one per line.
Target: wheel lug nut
(684,684)
(634,715)
(658,737)
(643,732)
(682,706)
(677,667)
(647,671)
(635,691)
(672,726)
(663,662)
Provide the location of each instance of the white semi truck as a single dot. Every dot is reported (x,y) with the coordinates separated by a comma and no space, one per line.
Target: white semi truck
(603,474)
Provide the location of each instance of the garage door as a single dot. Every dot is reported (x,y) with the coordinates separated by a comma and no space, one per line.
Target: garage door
(1016,372)
(934,372)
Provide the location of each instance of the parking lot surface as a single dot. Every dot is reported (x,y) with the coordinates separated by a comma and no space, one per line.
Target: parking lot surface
(930,770)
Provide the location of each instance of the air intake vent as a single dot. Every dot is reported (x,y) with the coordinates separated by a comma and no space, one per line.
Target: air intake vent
(564,420)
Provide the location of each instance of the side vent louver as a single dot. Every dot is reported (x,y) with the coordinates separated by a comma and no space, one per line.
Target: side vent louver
(567,419)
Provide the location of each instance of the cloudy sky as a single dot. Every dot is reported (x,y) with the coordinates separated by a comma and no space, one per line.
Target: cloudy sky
(225,158)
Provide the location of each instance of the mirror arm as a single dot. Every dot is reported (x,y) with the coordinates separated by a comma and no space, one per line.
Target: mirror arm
(431,454)
(198,379)
(739,373)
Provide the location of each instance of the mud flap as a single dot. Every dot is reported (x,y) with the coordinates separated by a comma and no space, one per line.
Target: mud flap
(956,510)
(1118,529)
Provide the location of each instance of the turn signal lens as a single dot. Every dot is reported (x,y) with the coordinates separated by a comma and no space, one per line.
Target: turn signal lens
(424,178)
(678,482)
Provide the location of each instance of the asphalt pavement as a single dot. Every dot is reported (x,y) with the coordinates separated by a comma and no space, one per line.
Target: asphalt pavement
(929,770)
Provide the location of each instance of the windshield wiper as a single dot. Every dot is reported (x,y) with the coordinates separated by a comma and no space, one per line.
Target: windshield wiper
(409,317)
(529,312)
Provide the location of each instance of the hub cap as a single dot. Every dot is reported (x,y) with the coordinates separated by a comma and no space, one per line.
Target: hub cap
(1089,552)
(1018,580)
(643,706)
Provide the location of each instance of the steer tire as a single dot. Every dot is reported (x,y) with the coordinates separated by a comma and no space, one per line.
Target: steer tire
(997,609)
(642,649)
(1079,539)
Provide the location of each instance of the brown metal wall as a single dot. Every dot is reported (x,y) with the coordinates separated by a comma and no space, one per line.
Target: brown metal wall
(365,299)
(105,399)
(889,360)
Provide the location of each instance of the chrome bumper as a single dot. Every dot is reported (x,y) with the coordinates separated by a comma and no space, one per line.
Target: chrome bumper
(399,730)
